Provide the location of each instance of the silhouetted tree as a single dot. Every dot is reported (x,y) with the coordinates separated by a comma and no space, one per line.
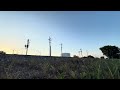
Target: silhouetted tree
(97,58)
(84,57)
(102,57)
(75,56)
(110,51)
(2,53)
(90,56)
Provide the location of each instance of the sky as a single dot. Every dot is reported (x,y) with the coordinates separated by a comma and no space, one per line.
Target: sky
(86,30)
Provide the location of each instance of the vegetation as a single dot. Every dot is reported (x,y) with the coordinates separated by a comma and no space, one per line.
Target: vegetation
(75,56)
(30,67)
(110,51)
(2,53)
(58,68)
(102,57)
(90,56)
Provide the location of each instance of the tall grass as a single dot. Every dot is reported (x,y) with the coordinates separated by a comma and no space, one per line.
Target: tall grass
(59,68)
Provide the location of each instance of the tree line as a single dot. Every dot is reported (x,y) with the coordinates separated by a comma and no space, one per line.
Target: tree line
(111,52)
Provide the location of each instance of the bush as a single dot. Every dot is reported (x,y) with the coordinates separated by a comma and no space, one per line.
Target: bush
(75,56)
(90,56)
(2,53)
(102,57)
(84,57)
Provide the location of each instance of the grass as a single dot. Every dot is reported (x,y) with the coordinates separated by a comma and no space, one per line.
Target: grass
(59,68)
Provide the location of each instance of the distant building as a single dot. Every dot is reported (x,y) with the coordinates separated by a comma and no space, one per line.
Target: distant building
(65,55)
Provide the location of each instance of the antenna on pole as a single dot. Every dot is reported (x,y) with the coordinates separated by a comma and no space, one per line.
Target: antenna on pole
(61,48)
(50,45)
(27,46)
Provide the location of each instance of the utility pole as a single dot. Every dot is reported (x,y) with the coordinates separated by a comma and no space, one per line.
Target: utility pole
(40,53)
(81,52)
(61,49)
(50,45)
(87,52)
(13,51)
(26,46)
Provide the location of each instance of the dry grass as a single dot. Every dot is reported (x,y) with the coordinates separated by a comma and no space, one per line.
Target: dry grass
(58,68)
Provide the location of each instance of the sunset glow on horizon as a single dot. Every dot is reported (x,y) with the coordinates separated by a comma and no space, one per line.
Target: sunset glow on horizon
(74,29)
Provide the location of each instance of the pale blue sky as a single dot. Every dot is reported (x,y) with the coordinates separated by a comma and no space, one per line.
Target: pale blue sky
(88,30)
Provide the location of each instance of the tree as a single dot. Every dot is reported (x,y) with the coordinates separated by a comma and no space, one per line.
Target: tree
(75,56)
(84,57)
(90,56)
(2,53)
(110,51)
(102,57)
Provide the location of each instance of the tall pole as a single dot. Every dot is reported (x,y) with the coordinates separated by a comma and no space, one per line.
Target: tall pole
(40,53)
(50,45)
(13,51)
(87,52)
(81,52)
(61,49)
(26,46)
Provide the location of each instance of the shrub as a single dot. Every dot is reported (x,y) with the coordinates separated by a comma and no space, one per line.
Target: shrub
(102,57)
(2,53)
(90,56)
(75,56)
